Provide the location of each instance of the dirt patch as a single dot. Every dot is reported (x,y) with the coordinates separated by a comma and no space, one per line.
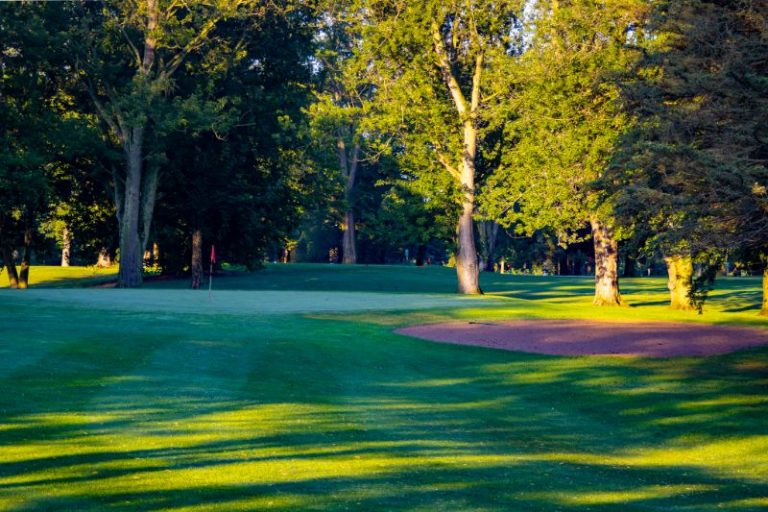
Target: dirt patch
(576,337)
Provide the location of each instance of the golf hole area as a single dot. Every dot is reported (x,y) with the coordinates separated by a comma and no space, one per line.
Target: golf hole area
(592,338)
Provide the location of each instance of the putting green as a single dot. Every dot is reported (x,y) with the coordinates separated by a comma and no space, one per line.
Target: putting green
(244,302)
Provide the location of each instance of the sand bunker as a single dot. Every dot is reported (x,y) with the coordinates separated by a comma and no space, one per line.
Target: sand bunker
(577,337)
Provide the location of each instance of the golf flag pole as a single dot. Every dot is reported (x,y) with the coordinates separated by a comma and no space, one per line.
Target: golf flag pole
(210,272)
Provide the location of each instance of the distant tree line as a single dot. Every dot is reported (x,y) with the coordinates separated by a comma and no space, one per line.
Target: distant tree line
(562,136)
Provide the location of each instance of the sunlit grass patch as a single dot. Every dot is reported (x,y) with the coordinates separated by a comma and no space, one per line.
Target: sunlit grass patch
(54,276)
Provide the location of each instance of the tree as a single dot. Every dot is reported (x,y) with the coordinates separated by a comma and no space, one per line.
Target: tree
(566,122)
(129,53)
(694,169)
(238,176)
(441,72)
(337,116)
(35,122)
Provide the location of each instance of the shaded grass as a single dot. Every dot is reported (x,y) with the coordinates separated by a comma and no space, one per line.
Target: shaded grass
(165,407)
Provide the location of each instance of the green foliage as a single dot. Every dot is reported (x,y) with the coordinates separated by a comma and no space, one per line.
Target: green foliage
(39,125)
(413,100)
(567,116)
(702,283)
(693,171)
(234,163)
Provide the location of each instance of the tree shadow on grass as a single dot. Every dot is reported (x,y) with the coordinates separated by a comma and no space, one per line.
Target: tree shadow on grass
(330,415)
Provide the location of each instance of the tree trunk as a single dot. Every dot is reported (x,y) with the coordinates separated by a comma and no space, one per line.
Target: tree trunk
(25,259)
(139,191)
(489,234)
(680,270)
(606,265)
(105,259)
(467,268)
(66,247)
(148,200)
(764,309)
(421,255)
(10,265)
(131,250)
(348,165)
(348,238)
(197,259)
(629,266)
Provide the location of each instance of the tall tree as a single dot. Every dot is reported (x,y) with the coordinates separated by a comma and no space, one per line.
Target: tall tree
(567,121)
(343,96)
(694,169)
(443,70)
(35,122)
(129,55)
(238,176)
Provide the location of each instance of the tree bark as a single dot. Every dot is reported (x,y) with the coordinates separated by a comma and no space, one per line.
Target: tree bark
(349,246)
(148,200)
(197,259)
(421,255)
(105,259)
(131,250)
(764,309)
(606,265)
(348,165)
(467,268)
(680,271)
(66,247)
(10,266)
(25,259)
(490,231)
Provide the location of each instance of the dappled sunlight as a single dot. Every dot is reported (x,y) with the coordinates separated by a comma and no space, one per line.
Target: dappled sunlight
(744,459)
(56,276)
(293,443)
(271,446)
(653,492)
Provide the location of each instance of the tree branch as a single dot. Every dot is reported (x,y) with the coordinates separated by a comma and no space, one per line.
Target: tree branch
(476,78)
(445,67)
(448,167)
(111,122)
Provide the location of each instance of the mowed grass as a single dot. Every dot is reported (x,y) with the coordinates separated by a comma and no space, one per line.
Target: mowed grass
(289,391)
(65,277)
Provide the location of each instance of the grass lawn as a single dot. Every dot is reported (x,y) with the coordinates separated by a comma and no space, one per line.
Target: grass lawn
(65,277)
(289,391)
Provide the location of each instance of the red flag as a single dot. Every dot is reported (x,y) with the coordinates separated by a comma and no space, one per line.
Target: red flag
(213,254)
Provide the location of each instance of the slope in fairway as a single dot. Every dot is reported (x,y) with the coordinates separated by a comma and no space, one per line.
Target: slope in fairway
(136,400)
